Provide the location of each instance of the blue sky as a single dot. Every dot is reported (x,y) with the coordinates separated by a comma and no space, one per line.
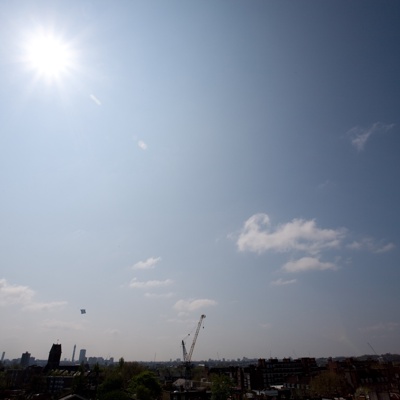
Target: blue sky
(237,159)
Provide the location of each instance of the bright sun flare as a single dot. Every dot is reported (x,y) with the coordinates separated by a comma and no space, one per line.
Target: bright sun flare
(48,56)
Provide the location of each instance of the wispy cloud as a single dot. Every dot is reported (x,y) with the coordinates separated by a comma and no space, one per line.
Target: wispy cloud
(385,248)
(142,145)
(359,136)
(24,296)
(381,327)
(95,99)
(371,245)
(45,306)
(64,325)
(298,235)
(308,264)
(193,305)
(159,296)
(283,282)
(150,284)
(112,332)
(150,263)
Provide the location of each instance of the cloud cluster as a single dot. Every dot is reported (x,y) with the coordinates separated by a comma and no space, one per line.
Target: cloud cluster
(359,136)
(183,307)
(24,297)
(299,234)
(302,239)
(149,263)
(294,237)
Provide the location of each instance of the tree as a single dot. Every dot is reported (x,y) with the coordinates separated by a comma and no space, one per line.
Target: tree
(111,383)
(221,387)
(145,386)
(116,395)
(363,392)
(80,381)
(3,380)
(328,384)
(112,387)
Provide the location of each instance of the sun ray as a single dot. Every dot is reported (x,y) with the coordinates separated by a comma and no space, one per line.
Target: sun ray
(48,56)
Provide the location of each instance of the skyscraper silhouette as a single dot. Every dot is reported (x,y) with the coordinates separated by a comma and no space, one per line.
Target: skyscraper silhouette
(54,357)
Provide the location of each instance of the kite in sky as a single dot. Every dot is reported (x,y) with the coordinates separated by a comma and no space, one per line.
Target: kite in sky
(83,311)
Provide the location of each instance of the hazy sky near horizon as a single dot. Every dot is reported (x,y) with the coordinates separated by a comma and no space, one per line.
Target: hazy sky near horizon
(165,159)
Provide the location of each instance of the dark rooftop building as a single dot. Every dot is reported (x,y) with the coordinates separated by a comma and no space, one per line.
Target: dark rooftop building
(54,357)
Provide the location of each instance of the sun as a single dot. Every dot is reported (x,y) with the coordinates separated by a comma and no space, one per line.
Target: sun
(48,56)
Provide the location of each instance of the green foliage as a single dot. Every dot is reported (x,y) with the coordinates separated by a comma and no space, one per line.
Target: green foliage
(111,383)
(80,381)
(145,386)
(221,387)
(119,379)
(115,395)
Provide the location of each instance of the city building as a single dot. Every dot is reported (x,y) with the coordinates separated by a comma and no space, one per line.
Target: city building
(54,357)
(25,358)
(82,356)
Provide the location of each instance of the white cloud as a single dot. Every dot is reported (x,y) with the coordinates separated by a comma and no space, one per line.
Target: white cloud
(359,136)
(184,306)
(308,264)
(150,263)
(142,145)
(14,294)
(149,284)
(299,234)
(282,282)
(24,296)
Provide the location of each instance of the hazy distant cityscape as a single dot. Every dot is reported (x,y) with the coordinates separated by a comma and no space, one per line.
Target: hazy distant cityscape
(80,377)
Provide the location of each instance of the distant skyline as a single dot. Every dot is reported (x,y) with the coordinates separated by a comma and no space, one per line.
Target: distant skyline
(163,160)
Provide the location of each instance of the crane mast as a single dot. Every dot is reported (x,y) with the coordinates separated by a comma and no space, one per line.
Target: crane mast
(188,357)
(184,351)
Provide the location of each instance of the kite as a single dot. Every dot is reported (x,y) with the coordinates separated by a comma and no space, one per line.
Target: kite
(83,311)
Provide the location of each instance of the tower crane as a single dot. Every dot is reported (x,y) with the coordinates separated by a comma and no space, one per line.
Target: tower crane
(187,357)
(380,358)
